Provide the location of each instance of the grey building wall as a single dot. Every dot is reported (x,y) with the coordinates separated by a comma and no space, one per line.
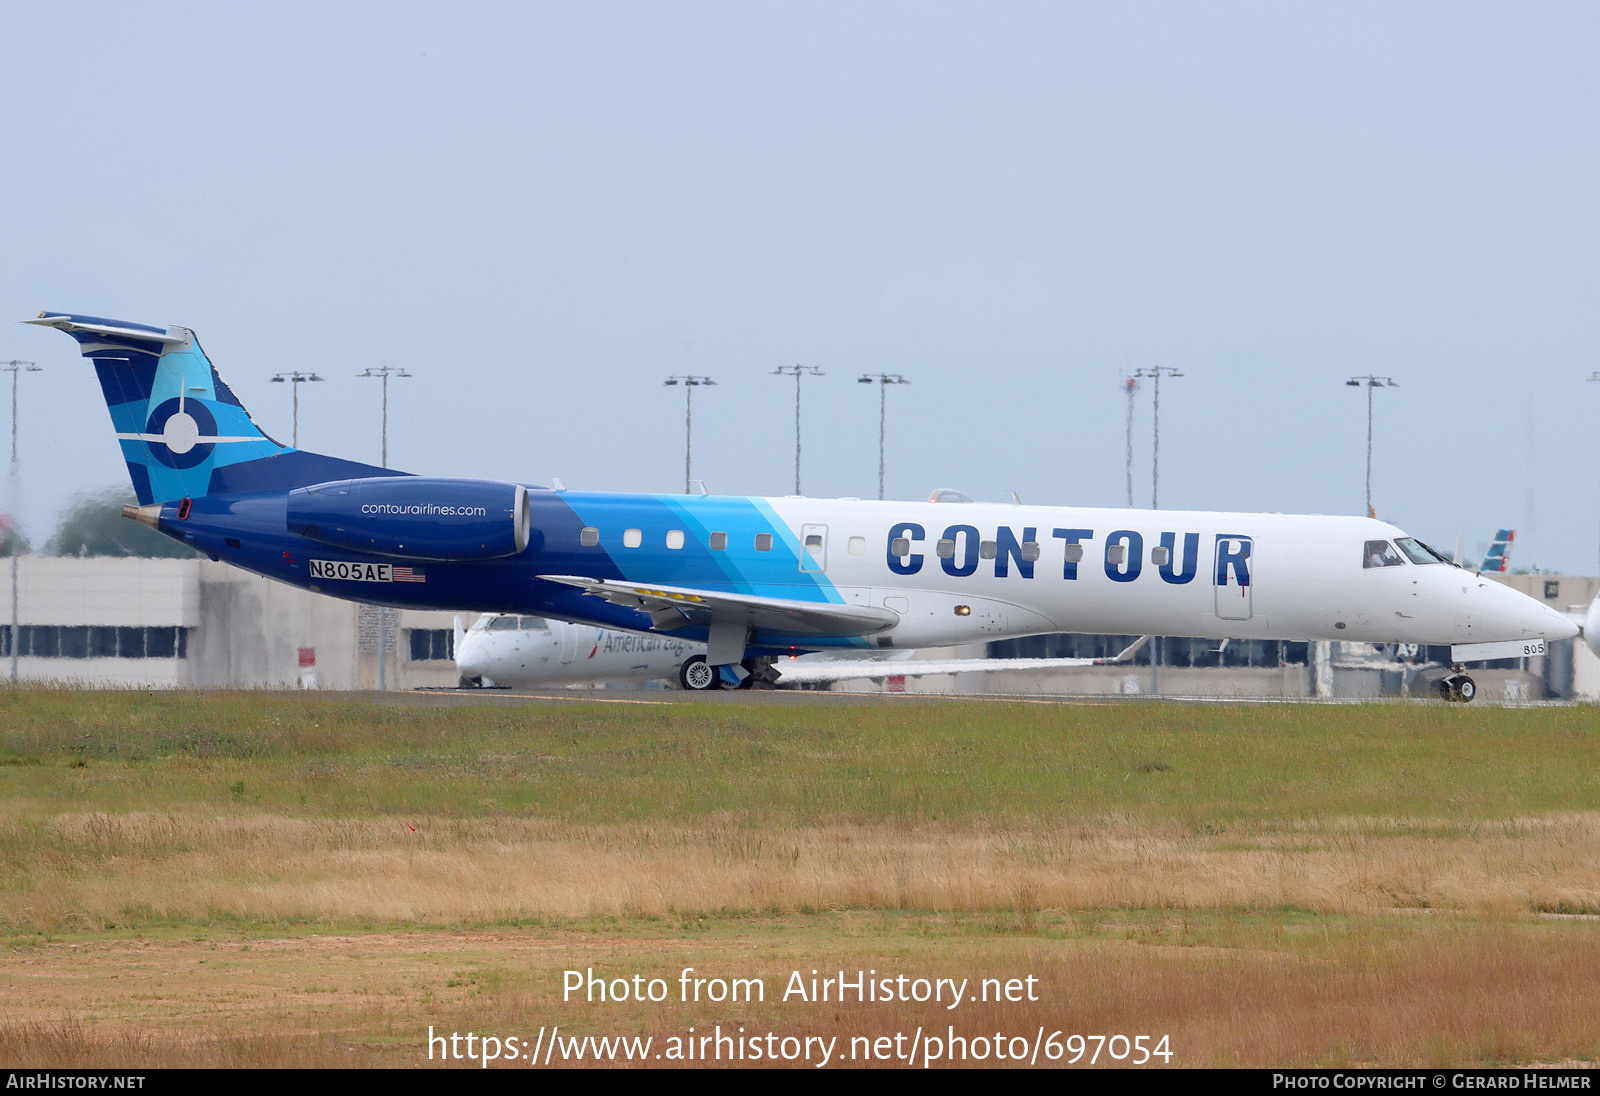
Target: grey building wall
(240,630)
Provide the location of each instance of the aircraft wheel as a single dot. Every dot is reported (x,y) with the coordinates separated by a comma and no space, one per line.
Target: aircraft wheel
(1459,688)
(698,676)
(752,674)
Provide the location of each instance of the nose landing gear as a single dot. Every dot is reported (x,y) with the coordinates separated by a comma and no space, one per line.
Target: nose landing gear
(1457,686)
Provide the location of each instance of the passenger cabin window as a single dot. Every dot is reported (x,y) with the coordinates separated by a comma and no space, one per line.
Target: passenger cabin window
(1115,554)
(719,542)
(674,538)
(813,540)
(632,538)
(1074,553)
(763,542)
(858,546)
(946,549)
(589,537)
(1030,550)
(1380,553)
(1160,555)
(988,549)
(900,546)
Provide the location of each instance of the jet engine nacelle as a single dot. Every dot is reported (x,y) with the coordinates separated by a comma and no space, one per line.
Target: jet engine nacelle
(415,518)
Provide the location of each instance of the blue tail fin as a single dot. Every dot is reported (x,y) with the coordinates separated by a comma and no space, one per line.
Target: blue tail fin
(183,432)
(1499,554)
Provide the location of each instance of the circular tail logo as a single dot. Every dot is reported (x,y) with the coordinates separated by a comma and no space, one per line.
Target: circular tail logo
(187,432)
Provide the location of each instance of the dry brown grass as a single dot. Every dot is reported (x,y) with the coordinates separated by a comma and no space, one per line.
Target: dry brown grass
(90,871)
(1432,992)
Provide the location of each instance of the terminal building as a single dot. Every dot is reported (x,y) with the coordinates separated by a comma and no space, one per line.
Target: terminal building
(115,622)
(121,622)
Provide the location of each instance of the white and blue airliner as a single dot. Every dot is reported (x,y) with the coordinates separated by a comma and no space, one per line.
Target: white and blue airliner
(755,579)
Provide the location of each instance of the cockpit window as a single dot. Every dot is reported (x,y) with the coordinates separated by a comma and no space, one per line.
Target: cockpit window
(533,623)
(1380,553)
(1418,552)
(503,624)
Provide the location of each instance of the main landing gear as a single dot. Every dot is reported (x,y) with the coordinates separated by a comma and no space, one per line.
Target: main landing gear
(696,675)
(1457,686)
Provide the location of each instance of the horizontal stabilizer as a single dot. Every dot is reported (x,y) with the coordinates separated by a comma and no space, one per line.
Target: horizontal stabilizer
(108,328)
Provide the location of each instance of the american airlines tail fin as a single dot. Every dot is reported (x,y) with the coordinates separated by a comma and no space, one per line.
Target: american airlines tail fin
(183,432)
(1499,554)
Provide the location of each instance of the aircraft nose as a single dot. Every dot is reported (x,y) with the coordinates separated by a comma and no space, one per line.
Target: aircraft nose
(1560,625)
(1520,613)
(471,660)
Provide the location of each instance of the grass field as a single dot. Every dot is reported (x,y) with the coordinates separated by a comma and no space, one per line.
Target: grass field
(270,878)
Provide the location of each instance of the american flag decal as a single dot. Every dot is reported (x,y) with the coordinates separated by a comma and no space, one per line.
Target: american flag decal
(409,574)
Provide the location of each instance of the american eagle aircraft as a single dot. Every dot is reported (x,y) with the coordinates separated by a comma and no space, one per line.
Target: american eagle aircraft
(508,649)
(759,578)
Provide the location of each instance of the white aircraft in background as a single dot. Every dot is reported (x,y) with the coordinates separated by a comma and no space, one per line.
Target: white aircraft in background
(523,650)
(530,651)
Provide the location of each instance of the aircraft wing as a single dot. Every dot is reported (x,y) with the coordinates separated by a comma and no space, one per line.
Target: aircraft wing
(825,668)
(797,671)
(673,607)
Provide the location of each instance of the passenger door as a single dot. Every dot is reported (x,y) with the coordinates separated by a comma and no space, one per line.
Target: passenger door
(814,548)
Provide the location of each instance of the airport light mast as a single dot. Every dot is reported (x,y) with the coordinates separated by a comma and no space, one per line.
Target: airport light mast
(690,382)
(1369,382)
(1156,371)
(797,371)
(883,380)
(297,378)
(1130,385)
(385,372)
(15,368)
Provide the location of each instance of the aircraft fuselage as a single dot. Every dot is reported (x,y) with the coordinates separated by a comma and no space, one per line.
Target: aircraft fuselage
(950,572)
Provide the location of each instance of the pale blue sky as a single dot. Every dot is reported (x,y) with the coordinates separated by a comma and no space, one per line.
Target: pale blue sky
(543,210)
